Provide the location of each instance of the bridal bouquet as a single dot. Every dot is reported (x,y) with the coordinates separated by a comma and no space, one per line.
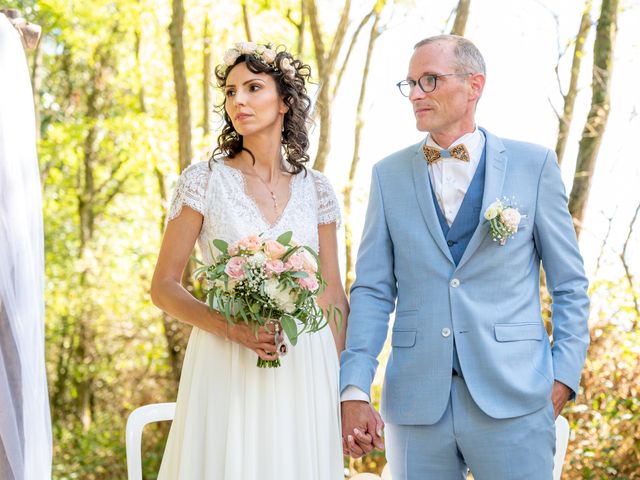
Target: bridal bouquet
(266,283)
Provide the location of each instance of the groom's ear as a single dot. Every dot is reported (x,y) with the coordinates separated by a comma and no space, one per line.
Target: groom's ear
(476,81)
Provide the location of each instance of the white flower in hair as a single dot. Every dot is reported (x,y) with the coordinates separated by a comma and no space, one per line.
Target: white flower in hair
(247,48)
(287,68)
(230,56)
(268,55)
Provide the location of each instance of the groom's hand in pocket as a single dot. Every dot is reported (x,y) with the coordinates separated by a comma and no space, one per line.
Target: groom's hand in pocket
(560,395)
(362,428)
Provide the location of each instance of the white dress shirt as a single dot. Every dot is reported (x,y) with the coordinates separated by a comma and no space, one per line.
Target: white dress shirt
(450,179)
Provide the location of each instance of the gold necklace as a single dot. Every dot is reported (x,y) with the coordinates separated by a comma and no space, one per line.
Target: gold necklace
(271,192)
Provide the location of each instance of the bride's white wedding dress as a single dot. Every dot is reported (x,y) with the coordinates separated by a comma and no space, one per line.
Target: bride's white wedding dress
(235,421)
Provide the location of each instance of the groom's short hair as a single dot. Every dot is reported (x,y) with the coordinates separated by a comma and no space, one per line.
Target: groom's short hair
(468,57)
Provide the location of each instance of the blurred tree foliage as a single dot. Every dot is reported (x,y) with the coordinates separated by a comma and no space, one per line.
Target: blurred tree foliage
(108,151)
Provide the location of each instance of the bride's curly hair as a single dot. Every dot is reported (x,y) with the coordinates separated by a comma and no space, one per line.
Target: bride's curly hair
(290,75)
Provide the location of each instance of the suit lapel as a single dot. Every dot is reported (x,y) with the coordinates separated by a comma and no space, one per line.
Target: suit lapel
(422,187)
(496,167)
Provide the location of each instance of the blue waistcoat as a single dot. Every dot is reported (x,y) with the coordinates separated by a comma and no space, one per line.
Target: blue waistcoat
(461,230)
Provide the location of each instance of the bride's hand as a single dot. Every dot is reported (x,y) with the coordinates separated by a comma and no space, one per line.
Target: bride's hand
(264,344)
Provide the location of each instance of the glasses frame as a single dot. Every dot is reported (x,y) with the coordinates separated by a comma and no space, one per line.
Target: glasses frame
(412,83)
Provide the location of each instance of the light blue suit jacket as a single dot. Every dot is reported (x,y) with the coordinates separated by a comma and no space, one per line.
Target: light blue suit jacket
(489,301)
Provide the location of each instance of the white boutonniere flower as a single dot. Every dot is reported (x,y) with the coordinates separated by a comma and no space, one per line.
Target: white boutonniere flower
(504,218)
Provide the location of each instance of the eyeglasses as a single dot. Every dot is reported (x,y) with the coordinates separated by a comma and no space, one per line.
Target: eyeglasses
(427,83)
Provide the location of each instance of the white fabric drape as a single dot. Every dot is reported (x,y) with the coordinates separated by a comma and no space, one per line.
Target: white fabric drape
(25,425)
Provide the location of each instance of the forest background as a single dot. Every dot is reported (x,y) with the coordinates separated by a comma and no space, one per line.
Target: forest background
(125,101)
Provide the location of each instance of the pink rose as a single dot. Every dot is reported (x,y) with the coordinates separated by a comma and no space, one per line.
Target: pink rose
(295,263)
(252,243)
(274,267)
(310,282)
(234,268)
(274,249)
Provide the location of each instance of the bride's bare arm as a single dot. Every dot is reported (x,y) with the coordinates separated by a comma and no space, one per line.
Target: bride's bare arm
(334,295)
(168,294)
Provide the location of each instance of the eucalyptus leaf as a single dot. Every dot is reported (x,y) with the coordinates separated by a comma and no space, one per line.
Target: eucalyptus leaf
(290,328)
(285,238)
(221,245)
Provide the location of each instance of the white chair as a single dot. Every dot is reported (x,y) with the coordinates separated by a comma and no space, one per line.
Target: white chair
(155,412)
(562,440)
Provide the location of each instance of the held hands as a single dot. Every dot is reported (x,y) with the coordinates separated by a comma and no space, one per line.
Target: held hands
(362,428)
(264,344)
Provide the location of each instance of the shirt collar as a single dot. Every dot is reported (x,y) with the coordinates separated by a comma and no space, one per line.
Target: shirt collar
(471,140)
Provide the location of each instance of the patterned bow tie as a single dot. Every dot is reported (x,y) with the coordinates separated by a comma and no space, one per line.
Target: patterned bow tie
(433,154)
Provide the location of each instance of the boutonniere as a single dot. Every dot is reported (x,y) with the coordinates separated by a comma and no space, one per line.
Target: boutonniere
(504,219)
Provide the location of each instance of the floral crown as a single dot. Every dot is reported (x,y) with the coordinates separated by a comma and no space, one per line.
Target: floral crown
(263,53)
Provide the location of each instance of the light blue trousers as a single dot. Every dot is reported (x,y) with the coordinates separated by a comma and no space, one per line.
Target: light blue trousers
(520,448)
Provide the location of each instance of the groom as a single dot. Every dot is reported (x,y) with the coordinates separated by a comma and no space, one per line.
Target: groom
(472,380)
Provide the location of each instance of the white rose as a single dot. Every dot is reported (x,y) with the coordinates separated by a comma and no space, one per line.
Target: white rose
(269,56)
(271,288)
(247,48)
(511,218)
(230,56)
(494,209)
(289,307)
(286,299)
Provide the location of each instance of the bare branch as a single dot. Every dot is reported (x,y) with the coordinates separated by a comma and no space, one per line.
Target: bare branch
(627,270)
(604,241)
(351,45)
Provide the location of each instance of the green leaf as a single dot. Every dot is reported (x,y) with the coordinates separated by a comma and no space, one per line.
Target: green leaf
(299,274)
(285,238)
(290,328)
(221,245)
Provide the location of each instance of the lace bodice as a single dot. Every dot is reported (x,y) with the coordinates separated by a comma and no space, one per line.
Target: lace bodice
(219,194)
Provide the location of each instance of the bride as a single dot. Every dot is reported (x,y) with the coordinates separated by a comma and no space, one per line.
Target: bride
(235,421)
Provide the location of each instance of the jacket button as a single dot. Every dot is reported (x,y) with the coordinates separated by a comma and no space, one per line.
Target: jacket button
(445,332)
(451,243)
(455,283)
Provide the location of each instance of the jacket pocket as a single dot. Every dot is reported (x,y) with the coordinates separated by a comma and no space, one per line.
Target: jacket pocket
(403,338)
(513,332)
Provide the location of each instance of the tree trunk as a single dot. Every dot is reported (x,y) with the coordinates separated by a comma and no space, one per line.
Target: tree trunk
(599,113)
(326,62)
(206,76)
(570,96)
(180,82)
(462,14)
(141,96)
(36,82)
(245,20)
(177,332)
(348,189)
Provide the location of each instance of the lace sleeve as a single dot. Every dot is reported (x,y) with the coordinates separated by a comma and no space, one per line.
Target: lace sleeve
(328,209)
(190,190)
